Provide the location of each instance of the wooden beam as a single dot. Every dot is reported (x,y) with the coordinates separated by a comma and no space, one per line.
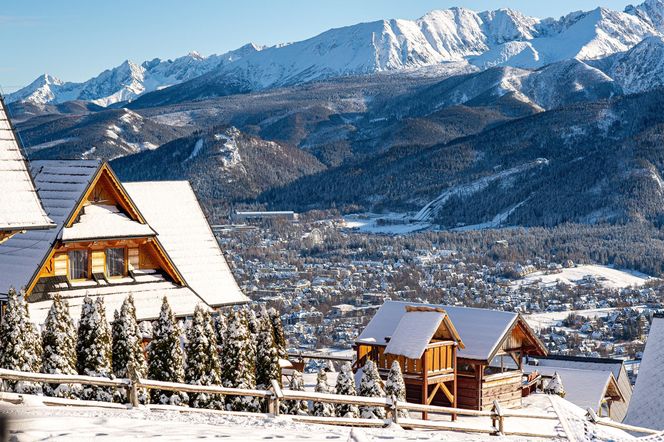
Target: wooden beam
(433,394)
(425,386)
(447,392)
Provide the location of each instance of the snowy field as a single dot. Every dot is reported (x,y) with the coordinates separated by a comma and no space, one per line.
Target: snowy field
(550,319)
(606,276)
(398,223)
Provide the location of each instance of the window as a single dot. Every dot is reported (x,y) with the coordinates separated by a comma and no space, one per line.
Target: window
(115,262)
(78,264)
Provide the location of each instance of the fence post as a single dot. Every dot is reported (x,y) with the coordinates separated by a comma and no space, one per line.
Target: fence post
(133,386)
(275,398)
(499,418)
(391,409)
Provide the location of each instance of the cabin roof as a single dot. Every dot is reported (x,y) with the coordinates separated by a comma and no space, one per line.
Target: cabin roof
(21,207)
(104,222)
(603,364)
(585,388)
(646,408)
(482,330)
(187,238)
(61,184)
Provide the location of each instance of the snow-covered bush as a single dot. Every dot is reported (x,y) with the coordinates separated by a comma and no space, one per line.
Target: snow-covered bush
(323,408)
(20,344)
(220,325)
(203,366)
(279,336)
(93,348)
(165,358)
(238,361)
(127,349)
(59,348)
(293,406)
(370,386)
(395,386)
(346,385)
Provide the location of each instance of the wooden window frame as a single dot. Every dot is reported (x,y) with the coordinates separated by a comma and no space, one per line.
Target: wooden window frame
(88,266)
(124,262)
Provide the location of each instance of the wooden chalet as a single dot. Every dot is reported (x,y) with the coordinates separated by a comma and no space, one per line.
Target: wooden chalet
(20,207)
(484,355)
(145,239)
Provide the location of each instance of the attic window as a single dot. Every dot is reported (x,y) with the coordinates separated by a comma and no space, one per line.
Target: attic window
(115,262)
(78,264)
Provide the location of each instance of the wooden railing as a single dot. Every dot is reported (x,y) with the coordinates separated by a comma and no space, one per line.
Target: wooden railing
(495,418)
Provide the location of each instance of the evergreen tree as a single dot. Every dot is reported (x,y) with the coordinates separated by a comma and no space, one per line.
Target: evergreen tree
(202,359)
(165,358)
(128,349)
(220,325)
(238,361)
(346,385)
(20,343)
(395,386)
(323,408)
(267,354)
(294,406)
(93,348)
(370,387)
(59,347)
(279,336)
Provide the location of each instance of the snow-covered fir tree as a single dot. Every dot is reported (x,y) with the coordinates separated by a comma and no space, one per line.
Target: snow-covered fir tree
(220,324)
(395,386)
(165,357)
(279,336)
(93,348)
(59,348)
(370,386)
(202,360)
(267,353)
(128,349)
(238,361)
(20,344)
(346,385)
(323,408)
(296,407)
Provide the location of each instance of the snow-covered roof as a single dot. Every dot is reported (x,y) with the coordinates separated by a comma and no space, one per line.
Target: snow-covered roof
(585,388)
(20,208)
(646,408)
(103,221)
(481,330)
(187,238)
(60,184)
(612,365)
(147,299)
(413,333)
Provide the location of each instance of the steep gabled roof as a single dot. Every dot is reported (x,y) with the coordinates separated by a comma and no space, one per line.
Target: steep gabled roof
(61,185)
(646,408)
(172,210)
(20,208)
(482,331)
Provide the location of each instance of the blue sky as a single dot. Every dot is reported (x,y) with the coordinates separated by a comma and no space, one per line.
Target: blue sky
(76,39)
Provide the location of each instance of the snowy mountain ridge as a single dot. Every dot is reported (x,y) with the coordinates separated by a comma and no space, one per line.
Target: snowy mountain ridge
(502,37)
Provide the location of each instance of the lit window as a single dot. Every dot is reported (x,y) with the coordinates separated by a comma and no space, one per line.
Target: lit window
(78,264)
(115,262)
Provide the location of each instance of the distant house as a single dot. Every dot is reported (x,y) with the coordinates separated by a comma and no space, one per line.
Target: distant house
(111,240)
(597,391)
(20,207)
(488,365)
(646,409)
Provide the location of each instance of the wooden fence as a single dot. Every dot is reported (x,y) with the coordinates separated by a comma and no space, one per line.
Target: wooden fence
(495,418)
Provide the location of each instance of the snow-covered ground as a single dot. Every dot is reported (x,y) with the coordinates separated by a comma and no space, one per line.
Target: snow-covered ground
(550,319)
(33,422)
(396,223)
(606,276)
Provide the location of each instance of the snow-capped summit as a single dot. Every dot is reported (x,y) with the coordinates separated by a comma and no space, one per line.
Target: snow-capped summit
(502,37)
(641,68)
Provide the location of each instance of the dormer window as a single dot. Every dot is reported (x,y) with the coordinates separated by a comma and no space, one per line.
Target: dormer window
(115,262)
(78,265)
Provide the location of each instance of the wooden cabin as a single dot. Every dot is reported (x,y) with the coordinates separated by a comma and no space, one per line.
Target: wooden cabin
(113,240)
(488,365)
(425,344)
(20,207)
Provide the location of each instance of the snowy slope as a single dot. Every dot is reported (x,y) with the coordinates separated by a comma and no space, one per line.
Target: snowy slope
(641,68)
(501,37)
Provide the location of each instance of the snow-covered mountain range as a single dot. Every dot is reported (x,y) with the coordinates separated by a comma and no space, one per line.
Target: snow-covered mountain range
(502,37)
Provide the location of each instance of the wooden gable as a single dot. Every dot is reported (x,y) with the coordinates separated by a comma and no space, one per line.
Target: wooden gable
(141,253)
(521,338)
